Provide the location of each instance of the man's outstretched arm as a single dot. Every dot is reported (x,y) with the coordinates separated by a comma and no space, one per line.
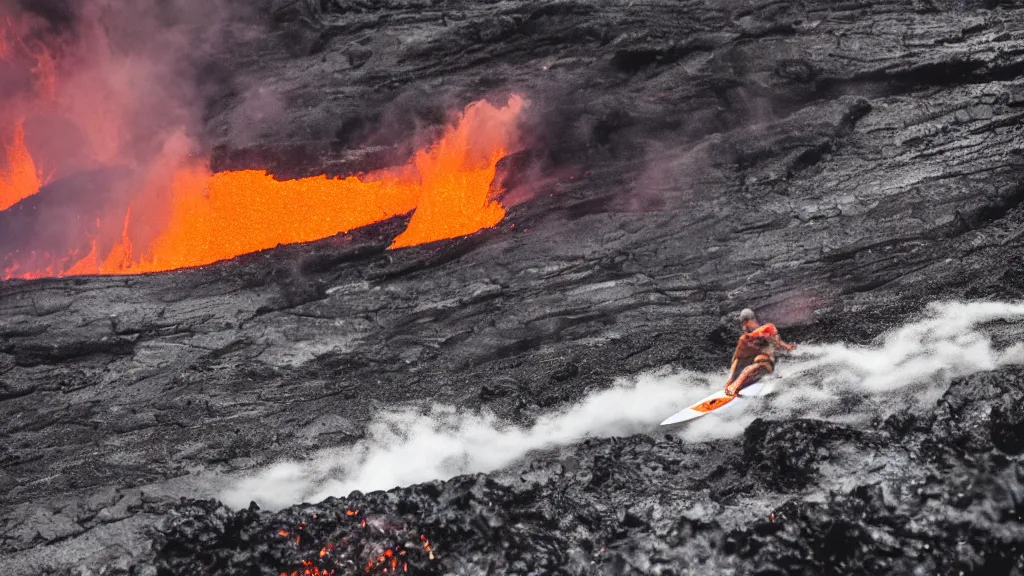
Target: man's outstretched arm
(778,340)
(770,332)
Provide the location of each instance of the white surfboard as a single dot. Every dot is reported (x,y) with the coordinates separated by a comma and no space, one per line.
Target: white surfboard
(716,401)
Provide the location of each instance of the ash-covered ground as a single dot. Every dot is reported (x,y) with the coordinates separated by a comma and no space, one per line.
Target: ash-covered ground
(837,167)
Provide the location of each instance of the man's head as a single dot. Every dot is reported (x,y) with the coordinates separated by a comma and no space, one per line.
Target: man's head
(748,320)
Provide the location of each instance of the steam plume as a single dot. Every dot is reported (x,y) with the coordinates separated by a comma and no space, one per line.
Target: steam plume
(831,381)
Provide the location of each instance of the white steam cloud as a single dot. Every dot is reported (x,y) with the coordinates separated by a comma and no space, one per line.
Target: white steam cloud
(908,368)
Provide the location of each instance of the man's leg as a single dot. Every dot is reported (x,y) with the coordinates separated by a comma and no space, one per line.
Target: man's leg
(762,365)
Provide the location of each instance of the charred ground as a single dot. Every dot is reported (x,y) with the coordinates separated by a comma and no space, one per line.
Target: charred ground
(835,167)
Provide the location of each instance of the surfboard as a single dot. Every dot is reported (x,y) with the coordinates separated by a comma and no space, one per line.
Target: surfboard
(714,402)
(706,405)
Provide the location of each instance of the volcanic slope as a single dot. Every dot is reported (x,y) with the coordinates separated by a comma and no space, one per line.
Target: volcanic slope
(833,166)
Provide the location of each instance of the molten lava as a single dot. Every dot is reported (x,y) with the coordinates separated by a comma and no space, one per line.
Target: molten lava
(172,212)
(456,176)
(381,550)
(19,178)
(218,216)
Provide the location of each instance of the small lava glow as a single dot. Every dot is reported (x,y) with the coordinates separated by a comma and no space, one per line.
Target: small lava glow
(365,549)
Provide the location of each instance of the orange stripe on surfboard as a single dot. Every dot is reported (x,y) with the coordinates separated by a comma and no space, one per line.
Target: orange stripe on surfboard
(712,404)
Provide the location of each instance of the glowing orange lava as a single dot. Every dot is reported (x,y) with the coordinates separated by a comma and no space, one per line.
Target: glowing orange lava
(181,214)
(456,176)
(389,559)
(20,178)
(219,216)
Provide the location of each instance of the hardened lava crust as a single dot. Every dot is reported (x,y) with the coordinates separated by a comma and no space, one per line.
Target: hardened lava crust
(835,166)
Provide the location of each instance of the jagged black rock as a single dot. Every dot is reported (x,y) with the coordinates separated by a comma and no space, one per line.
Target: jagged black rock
(937,497)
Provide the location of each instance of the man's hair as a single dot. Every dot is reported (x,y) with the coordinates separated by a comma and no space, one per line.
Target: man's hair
(746,315)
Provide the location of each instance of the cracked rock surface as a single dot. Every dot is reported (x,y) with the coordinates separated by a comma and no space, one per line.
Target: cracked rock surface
(835,166)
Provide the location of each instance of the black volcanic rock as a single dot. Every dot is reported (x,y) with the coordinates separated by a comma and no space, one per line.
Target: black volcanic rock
(1008,427)
(638,505)
(784,454)
(835,166)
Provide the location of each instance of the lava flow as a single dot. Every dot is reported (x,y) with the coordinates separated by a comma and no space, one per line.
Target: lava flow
(20,178)
(20,175)
(218,216)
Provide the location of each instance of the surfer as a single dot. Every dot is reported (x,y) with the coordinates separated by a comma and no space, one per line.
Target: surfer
(755,352)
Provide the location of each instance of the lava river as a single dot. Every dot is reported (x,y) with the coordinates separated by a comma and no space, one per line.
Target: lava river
(216,216)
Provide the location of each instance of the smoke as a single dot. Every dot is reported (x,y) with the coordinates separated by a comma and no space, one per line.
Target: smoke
(907,368)
(407,446)
(254,115)
(103,83)
(118,74)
